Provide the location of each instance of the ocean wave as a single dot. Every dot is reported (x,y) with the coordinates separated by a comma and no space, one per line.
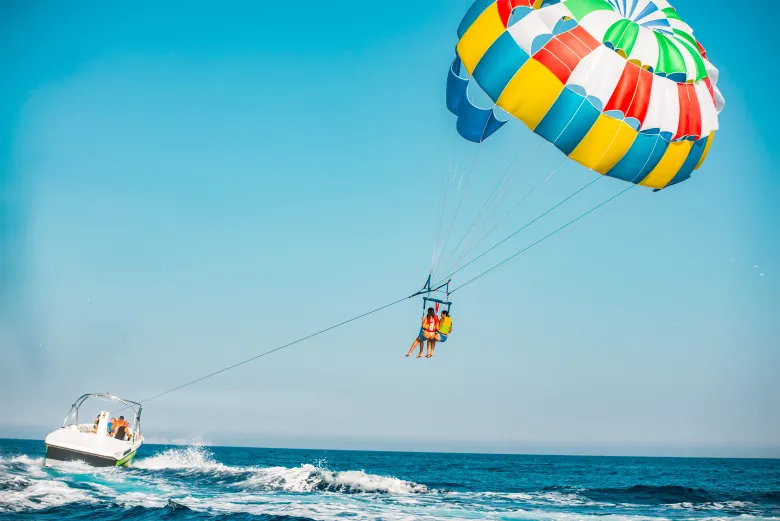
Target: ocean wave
(325,508)
(25,464)
(191,483)
(305,478)
(535,498)
(682,497)
(437,511)
(772,497)
(39,495)
(630,499)
(733,507)
(192,457)
(311,478)
(141,499)
(651,495)
(545,515)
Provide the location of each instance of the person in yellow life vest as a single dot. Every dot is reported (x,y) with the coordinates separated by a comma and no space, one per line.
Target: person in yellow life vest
(444,329)
(445,326)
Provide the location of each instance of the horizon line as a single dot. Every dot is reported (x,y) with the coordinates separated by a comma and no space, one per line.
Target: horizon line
(442,452)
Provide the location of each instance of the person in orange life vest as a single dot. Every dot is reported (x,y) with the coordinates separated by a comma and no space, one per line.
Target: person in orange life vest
(431,330)
(120,428)
(430,324)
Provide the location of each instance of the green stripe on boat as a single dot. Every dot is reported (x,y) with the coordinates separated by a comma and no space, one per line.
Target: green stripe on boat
(126,460)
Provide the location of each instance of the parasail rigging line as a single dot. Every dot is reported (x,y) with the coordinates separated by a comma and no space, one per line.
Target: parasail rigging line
(554,232)
(460,200)
(473,245)
(603,154)
(442,204)
(381,308)
(494,200)
(469,245)
(468,282)
(266,353)
(526,225)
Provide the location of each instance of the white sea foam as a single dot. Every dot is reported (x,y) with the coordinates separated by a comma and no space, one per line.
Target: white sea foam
(329,508)
(72,468)
(192,457)
(556,498)
(741,506)
(305,478)
(310,478)
(323,508)
(32,467)
(141,499)
(544,515)
(544,498)
(40,494)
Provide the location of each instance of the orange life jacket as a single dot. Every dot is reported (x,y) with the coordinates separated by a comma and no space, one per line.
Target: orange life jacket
(431,324)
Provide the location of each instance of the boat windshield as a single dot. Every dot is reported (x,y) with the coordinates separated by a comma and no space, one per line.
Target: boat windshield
(82,413)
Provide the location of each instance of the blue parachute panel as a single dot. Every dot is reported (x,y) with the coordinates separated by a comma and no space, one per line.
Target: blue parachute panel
(474,124)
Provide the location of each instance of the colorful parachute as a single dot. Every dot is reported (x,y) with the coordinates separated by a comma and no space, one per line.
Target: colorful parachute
(620,86)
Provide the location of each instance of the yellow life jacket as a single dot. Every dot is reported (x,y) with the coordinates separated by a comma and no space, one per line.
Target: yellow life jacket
(445,325)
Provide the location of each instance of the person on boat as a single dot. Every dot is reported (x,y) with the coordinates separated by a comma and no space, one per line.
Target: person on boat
(111,425)
(121,429)
(95,428)
(430,323)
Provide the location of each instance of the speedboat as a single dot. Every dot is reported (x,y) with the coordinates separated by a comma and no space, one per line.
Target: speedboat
(92,442)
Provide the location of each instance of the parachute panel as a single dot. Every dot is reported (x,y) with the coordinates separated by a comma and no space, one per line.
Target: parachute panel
(669,165)
(500,63)
(707,146)
(605,144)
(530,93)
(479,37)
(621,87)
(645,153)
(694,156)
(474,124)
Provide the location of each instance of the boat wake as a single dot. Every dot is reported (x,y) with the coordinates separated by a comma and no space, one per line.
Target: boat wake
(311,478)
(197,461)
(25,486)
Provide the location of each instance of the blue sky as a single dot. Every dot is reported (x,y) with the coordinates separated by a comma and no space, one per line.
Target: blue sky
(184,187)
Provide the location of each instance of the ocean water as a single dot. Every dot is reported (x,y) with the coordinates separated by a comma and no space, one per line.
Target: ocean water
(228,483)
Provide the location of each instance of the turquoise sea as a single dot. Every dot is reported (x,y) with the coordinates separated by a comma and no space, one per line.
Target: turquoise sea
(231,483)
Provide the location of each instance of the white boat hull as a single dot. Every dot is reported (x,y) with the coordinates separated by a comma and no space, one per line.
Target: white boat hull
(100,450)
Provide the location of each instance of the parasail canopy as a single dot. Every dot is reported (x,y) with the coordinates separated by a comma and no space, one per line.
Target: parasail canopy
(620,86)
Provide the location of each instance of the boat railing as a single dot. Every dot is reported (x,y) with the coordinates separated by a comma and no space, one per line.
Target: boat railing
(73,415)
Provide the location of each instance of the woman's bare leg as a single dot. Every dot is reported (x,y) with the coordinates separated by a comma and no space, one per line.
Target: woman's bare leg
(414,344)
